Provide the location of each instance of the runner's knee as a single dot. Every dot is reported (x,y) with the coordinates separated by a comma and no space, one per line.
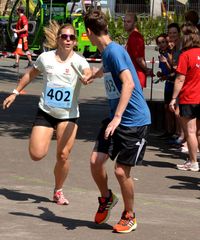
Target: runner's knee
(121,173)
(62,156)
(96,161)
(36,156)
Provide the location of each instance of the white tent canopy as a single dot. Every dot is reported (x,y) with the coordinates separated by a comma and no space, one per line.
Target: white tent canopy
(182,1)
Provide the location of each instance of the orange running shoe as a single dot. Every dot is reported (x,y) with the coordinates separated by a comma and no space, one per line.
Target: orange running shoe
(126,224)
(105,206)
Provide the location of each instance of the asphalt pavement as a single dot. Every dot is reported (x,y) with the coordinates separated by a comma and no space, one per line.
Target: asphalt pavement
(167,201)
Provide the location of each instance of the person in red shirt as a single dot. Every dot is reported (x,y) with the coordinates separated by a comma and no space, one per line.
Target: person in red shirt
(187,89)
(136,48)
(22,34)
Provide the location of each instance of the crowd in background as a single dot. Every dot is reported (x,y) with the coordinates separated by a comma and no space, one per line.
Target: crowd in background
(181,113)
(179,68)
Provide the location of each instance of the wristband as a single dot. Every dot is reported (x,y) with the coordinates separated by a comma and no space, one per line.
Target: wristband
(15,92)
(174,98)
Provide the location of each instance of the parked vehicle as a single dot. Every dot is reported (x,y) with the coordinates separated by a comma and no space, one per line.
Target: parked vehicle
(39,13)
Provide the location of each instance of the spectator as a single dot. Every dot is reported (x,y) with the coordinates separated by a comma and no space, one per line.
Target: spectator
(164,75)
(136,48)
(22,32)
(186,89)
(192,17)
(175,38)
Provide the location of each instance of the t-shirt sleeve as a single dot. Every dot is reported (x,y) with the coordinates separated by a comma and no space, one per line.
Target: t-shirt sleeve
(39,63)
(182,64)
(83,64)
(117,61)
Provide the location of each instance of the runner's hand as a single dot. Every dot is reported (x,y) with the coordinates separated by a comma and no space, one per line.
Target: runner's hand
(8,101)
(86,79)
(112,126)
(172,105)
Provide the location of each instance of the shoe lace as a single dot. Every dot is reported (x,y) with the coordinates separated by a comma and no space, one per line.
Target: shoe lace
(123,222)
(60,195)
(187,163)
(125,219)
(103,204)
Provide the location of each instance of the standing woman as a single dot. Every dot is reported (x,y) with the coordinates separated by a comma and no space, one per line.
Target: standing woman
(187,88)
(175,39)
(58,106)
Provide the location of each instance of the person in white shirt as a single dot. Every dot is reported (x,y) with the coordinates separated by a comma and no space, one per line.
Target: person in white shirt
(58,106)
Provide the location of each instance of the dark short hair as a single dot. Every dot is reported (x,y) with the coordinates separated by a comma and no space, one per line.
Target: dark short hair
(174,25)
(164,35)
(96,21)
(192,16)
(21,9)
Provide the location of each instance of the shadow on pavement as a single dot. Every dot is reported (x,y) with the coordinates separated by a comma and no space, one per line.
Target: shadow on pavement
(162,149)
(68,223)
(185,182)
(12,74)
(158,164)
(17,120)
(8,73)
(17,195)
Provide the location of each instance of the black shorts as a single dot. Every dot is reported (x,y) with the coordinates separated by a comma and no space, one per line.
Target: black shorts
(127,144)
(190,110)
(168,92)
(44,119)
(167,97)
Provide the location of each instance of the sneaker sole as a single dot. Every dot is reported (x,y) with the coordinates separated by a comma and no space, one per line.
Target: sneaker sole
(127,231)
(184,169)
(115,201)
(56,201)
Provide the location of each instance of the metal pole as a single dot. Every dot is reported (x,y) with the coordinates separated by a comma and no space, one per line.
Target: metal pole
(152,76)
(50,11)
(167,10)
(152,10)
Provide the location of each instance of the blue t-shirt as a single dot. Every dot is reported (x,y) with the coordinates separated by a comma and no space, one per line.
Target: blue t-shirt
(163,67)
(115,60)
(169,86)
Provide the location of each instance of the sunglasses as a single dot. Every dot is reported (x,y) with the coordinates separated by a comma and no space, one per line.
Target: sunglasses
(68,36)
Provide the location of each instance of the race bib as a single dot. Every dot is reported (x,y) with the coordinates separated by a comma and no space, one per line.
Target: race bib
(58,96)
(111,89)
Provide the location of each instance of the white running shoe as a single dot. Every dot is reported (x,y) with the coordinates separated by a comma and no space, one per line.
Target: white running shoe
(188,166)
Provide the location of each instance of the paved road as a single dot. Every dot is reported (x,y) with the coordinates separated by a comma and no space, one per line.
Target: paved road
(167,200)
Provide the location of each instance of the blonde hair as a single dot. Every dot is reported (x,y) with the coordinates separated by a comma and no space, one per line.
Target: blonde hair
(52,32)
(191,37)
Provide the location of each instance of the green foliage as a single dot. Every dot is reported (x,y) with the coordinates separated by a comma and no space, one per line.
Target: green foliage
(150,28)
(116,30)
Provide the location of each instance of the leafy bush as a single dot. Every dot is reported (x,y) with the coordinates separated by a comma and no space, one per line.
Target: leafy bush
(116,30)
(150,28)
